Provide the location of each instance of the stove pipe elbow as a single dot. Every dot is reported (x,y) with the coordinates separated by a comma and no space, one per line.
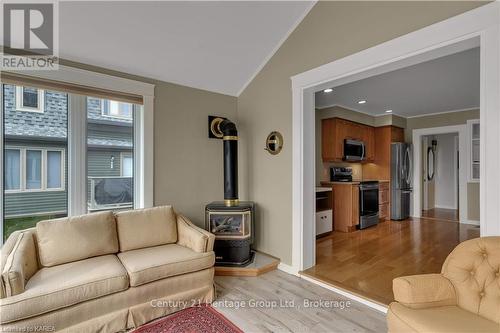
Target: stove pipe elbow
(230,142)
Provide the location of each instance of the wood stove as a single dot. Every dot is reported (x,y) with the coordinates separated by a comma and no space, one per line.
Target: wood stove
(233,230)
(231,221)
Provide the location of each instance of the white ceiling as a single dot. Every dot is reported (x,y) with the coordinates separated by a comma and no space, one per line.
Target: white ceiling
(444,84)
(217,46)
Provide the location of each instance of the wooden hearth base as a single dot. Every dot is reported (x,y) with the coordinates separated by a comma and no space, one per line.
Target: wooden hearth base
(262,263)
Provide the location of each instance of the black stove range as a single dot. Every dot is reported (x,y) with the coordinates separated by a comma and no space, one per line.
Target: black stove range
(340,174)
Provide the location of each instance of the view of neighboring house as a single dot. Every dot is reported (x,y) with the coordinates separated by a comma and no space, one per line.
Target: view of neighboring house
(36,155)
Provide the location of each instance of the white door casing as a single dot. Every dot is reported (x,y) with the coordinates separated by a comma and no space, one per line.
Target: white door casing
(481,24)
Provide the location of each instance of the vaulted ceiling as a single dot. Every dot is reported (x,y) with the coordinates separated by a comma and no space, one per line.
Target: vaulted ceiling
(217,46)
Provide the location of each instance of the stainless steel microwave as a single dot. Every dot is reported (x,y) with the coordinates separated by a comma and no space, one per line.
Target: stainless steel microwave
(354,150)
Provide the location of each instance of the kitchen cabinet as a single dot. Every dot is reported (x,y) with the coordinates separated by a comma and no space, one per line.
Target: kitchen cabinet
(397,134)
(345,203)
(324,201)
(383,201)
(335,130)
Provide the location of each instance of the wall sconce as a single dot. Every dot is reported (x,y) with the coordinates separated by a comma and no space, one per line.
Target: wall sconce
(112,162)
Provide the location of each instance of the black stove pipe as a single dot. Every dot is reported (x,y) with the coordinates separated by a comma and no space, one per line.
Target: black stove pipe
(230,140)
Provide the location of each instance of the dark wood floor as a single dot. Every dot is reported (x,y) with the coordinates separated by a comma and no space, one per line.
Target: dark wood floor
(366,261)
(441,214)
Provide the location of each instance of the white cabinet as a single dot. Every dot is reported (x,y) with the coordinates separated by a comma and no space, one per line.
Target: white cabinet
(323,222)
(473,150)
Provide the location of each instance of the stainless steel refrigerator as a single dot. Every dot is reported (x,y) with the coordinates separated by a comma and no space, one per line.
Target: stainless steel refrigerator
(401,180)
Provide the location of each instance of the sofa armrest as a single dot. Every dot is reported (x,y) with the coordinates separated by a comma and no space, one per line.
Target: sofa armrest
(20,265)
(191,236)
(424,291)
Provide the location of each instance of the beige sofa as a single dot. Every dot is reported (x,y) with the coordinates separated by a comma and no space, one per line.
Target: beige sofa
(465,297)
(104,272)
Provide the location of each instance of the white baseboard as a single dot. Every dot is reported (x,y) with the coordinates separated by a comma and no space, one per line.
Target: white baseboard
(473,222)
(288,269)
(344,293)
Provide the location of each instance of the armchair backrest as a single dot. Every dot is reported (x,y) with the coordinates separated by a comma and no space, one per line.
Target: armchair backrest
(473,268)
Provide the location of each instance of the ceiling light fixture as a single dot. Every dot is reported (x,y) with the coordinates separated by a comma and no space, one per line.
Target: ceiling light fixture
(388,111)
(329,90)
(362,102)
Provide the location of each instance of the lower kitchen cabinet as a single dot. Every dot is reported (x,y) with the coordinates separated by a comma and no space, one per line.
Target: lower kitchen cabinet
(383,201)
(345,207)
(323,222)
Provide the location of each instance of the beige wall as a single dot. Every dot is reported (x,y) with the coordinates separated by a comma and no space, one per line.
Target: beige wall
(331,30)
(438,120)
(473,201)
(188,165)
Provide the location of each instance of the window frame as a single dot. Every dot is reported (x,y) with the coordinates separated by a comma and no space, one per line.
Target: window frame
(43,180)
(107,103)
(76,149)
(19,100)
(470,148)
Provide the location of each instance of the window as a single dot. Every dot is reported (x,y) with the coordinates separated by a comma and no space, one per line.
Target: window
(117,109)
(54,169)
(29,99)
(127,165)
(109,155)
(46,159)
(33,169)
(12,169)
(473,150)
(43,169)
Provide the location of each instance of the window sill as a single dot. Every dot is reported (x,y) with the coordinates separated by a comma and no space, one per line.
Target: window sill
(29,110)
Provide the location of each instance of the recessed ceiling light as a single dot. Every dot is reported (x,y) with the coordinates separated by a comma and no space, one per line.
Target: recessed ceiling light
(388,111)
(362,101)
(329,90)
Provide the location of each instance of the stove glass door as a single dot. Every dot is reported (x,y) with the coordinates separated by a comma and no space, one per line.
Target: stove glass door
(368,201)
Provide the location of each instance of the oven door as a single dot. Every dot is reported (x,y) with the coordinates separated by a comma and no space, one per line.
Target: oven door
(354,150)
(368,200)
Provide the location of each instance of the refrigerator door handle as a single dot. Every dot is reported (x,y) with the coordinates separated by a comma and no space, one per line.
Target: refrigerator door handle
(407,165)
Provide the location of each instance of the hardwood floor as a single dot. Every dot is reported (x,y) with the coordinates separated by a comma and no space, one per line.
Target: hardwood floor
(366,261)
(291,295)
(441,214)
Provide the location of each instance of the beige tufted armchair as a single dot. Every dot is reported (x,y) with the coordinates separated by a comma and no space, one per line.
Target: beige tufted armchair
(465,297)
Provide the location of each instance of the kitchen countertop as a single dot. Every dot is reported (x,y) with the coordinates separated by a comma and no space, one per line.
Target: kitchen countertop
(323,189)
(354,182)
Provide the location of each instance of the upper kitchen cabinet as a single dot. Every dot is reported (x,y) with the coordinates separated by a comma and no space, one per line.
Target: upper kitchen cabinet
(397,134)
(335,130)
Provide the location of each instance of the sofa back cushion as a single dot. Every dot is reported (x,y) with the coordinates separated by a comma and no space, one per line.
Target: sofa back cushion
(75,238)
(473,268)
(147,227)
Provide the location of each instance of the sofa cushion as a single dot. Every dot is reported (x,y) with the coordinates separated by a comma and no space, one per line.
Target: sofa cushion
(61,286)
(154,263)
(21,264)
(142,228)
(75,238)
(437,319)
